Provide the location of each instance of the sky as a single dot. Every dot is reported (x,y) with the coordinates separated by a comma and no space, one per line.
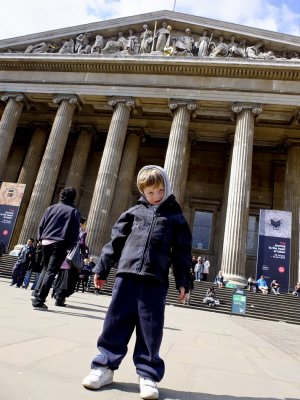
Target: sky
(23,17)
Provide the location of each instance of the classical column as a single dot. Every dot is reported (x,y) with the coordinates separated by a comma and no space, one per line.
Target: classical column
(236,225)
(224,204)
(79,159)
(29,172)
(292,203)
(125,177)
(99,213)
(8,123)
(178,143)
(185,172)
(46,178)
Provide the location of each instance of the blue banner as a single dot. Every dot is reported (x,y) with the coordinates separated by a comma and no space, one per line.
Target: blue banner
(8,217)
(274,247)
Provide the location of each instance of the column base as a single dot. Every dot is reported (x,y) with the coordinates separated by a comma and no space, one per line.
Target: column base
(235,281)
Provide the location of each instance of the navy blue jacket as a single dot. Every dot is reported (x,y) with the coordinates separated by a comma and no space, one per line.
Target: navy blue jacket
(145,242)
(60,222)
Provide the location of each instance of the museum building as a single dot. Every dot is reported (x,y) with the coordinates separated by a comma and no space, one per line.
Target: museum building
(214,103)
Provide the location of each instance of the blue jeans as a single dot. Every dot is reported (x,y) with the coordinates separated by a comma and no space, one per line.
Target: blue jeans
(198,275)
(18,273)
(27,279)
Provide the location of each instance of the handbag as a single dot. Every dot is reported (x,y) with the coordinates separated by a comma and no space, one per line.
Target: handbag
(75,257)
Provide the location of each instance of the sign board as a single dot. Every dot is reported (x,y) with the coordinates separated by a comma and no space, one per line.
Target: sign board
(239,302)
(11,195)
(274,247)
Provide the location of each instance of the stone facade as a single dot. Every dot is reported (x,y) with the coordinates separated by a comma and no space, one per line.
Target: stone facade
(222,121)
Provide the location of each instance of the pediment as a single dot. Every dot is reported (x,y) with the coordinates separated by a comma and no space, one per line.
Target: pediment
(128,36)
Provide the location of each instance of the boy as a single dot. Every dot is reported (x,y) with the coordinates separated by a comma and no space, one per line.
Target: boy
(146,239)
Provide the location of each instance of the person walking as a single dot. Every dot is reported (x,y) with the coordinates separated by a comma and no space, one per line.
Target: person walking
(35,267)
(68,276)
(145,240)
(58,232)
(23,263)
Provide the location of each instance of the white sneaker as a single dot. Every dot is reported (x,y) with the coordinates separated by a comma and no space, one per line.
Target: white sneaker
(98,378)
(148,388)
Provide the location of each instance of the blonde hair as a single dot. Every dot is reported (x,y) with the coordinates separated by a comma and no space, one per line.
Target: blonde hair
(149,177)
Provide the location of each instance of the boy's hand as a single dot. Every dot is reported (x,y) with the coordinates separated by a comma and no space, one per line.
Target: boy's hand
(99,283)
(182,294)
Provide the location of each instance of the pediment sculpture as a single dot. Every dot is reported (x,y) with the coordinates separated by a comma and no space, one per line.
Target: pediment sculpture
(163,41)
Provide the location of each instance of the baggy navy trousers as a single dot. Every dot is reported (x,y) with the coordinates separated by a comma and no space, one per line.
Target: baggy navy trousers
(137,303)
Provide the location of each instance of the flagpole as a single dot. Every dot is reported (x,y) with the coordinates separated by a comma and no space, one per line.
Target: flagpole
(174,5)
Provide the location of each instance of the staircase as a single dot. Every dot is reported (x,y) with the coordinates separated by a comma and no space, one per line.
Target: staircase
(285,307)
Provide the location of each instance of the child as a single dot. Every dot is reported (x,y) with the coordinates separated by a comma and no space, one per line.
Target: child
(220,279)
(145,240)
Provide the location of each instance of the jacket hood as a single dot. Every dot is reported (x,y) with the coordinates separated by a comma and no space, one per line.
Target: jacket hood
(167,184)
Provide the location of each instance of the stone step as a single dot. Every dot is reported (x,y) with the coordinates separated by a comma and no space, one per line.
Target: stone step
(284,307)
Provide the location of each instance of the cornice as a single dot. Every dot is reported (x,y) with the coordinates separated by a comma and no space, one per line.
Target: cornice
(271,70)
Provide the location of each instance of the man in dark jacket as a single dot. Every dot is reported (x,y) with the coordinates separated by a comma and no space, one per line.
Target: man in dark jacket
(58,231)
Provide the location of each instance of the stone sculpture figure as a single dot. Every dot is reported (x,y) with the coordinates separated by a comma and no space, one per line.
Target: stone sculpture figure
(256,52)
(81,42)
(184,44)
(67,47)
(162,37)
(220,49)
(236,49)
(203,44)
(146,40)
(40,48)
(114,46)
(98,45)
(132,41)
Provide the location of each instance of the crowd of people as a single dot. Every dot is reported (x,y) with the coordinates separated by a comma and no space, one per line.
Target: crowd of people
(261,285)
(68,279)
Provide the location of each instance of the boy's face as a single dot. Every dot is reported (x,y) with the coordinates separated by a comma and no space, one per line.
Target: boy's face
(154,194)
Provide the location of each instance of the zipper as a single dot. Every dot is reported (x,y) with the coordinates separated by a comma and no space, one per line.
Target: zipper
(146,247)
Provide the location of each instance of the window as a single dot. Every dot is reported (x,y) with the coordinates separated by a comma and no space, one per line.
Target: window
(202,229)
(252,235)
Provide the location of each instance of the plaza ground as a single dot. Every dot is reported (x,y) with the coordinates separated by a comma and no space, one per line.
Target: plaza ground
(209,356)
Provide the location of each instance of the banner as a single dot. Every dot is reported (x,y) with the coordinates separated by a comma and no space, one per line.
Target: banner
(274,247)
(11,195)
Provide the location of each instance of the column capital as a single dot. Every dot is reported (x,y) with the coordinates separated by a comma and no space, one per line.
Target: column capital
(292,142)
(70,98)
(191,105)
(253,107)
(41,125)
(136,131)
(85,128)
(127,101)
(17,96)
